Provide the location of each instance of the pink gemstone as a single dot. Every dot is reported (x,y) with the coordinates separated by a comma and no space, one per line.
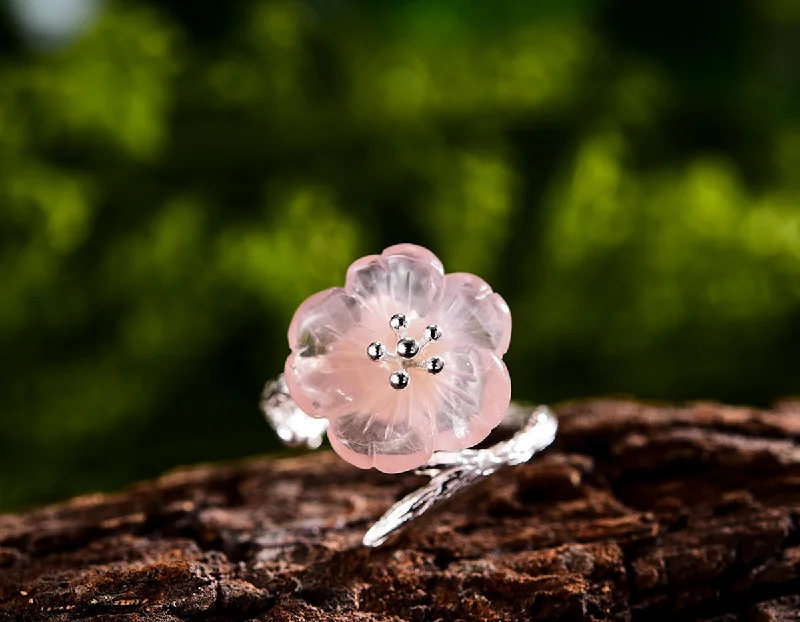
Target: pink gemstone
(372,424)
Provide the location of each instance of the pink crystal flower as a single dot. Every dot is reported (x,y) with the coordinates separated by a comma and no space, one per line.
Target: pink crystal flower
(403,361)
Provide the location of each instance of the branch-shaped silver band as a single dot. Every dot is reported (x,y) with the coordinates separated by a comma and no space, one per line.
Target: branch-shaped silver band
(450,471)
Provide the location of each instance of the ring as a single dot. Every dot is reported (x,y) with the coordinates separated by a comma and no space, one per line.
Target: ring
(402,368)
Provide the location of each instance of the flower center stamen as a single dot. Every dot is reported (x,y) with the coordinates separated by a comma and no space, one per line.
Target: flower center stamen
(407,348)
(406,351)
(399,324)
(376,351)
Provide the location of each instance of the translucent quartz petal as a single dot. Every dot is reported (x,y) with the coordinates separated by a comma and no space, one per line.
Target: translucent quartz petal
(392,434)
(470,313)
(323,333)
(322,318)
(468,399)
(404,279)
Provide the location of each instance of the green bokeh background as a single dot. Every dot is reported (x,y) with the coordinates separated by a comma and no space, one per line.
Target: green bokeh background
(177,177)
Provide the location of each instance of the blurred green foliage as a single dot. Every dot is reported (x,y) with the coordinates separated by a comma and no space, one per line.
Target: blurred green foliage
(178,178)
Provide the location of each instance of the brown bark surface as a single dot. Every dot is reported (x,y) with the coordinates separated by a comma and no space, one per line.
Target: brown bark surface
(638,513)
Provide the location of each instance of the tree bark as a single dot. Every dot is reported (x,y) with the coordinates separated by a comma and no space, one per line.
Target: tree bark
(638,512)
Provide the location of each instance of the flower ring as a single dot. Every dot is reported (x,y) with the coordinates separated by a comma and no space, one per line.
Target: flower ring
(403,361)
(403,368)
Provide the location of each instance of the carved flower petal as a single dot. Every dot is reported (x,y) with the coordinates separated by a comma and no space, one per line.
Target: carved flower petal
(470,313)
(404,279)
(469,398)
(391,435)
(322,318)
(327,336)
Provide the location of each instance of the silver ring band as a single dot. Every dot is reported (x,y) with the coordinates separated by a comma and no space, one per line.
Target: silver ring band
(450,471)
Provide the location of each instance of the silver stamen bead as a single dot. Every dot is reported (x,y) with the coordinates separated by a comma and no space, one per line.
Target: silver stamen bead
(376,350)
(399,380)
(407,348)
(434,365)
(398,322)
(432,333)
